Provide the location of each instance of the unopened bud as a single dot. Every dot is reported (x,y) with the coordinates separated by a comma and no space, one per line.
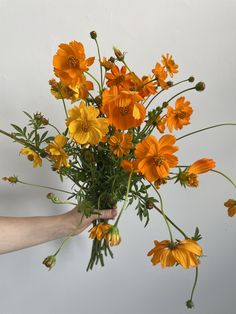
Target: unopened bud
(112,59)
(191,79)
(119,54)
(43,154)
(149,204)
(170,83)
(93,35)
(12,179)
(189,304)
(45,121)
(165,104)
(200,86)
(50,261)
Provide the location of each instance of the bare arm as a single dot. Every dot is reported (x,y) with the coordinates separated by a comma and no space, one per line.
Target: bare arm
(17,233)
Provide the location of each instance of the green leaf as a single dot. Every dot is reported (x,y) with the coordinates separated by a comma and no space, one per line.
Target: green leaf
(28,115)
(17,128)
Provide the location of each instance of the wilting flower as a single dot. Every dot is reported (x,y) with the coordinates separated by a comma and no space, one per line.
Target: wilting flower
(231,204)
(113,236)
(57,153)
(155,157)
(84,126)
(106,64)
(189,177)
(185,253)
(121,143)
(180,116)
(32,156)
(161,124)
(70,62)
(122,109)
(12,179)
(116,77)
(169,64)
(161,76)
(50,261)
(99,231)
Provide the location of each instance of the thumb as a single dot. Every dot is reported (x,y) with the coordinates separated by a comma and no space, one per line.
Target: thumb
(105,214)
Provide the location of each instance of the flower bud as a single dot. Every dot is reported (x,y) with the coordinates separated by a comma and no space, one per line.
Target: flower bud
(149,204)
(189,304)
(93,35)
(50,261)
(43,154)
(165,104)
(12,179)
(118,54)
(113,236)
(170,83)
(111,59)
(191,79)
(200,86)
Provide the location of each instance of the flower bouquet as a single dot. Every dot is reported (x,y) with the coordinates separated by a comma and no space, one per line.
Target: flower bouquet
(118,145)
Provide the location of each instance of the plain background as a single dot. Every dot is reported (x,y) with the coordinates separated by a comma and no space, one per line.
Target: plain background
(201,36)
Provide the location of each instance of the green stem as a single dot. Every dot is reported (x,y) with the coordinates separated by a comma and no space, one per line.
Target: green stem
(163,213)
(21,141)
(225,176)
(183,91)
(194,286)
(64,104)
(100,60)
(53,126)
(204,129)
(154,98)
(99,86)
(44,187)
(170,221)
(125,201)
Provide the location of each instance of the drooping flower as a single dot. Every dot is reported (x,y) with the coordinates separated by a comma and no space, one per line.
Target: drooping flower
(57,153)
(189,177)
(180,116)
(113,236)
(107,64)
(231,204)
(169,64)
(155,157)
(161,124)
(122,109)
(99,231)
(160,75)
(70,62)
(116,77)
(129,165)
(32,156)
(185,253)
(121,143)
(84,125)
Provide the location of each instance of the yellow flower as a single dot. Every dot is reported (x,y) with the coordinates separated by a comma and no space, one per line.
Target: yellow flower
(113,236)
(84,126)
(184,253)
(121,143)
(169,64)
(32,156)
(99,231)
(57,153)
(231,204)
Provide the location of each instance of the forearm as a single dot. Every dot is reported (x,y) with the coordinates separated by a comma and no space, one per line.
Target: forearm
(21,232)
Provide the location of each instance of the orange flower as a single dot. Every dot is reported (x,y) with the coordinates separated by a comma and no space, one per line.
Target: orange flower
(184,253)
(32,156)
(122,109)
(57,153)
(189,177)
(84,126)
(70,61)
(106,64)
(231,204)
(180,116)
(99,231)
(113,236)
(121,143)
(129,165)
(116,77)
(161,124)
(161,76)
(147,87)
(155,157)
(170,65)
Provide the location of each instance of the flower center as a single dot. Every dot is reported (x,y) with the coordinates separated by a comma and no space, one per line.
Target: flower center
(124,110)
(158,160)
(72,61)
(31,157)
(180,115)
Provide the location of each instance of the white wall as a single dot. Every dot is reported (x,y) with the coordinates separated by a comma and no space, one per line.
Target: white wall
(201,36)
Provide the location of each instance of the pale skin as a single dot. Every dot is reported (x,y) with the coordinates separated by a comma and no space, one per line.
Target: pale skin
(17,233)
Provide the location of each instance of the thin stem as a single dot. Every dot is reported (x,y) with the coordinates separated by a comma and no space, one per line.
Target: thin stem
(44,187)
(170,221)
(100,60)
(183,91)
(225,176)
(99,86)
(64,104)
(21,141)
(204,129)
(125,201)
(194,284)
(53,126)
(163,213)
(154,98)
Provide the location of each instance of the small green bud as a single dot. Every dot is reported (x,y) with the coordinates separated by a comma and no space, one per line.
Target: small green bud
(190,304)
(112,59)
(191,79)
(165,104)
(118,54)
(49,261)
(93,35)
(170,83)
(200,86)
(43,154)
